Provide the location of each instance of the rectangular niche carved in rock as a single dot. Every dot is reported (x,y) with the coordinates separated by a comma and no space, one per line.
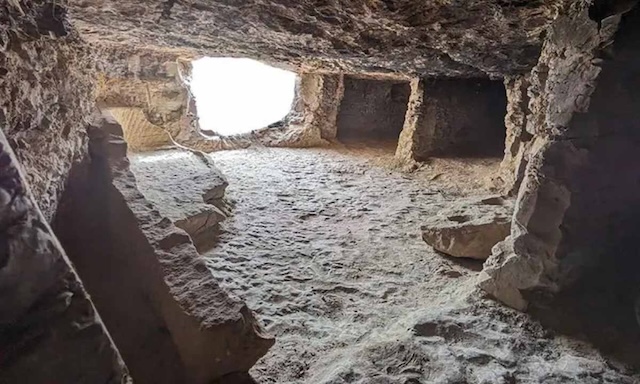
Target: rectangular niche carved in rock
(372,110)
(457,118)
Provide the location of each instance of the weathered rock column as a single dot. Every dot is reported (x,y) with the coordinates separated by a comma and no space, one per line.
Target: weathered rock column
(321,96)
(518,140)
(561,85)
(410,136)
(453,117)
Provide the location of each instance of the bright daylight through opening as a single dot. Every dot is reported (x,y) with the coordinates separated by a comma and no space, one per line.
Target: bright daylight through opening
(235,96)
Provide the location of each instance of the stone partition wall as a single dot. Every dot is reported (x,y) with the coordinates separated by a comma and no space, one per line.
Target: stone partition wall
(372,109)
(579,183)
(167,314)
(453,117)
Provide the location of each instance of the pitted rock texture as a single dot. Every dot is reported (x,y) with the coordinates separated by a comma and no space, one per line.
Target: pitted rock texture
(487,37)
(324,244)
(187,188)
(46,94)
(574,155)
(470,228)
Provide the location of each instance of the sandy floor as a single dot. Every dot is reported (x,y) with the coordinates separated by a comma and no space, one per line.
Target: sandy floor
(325,246)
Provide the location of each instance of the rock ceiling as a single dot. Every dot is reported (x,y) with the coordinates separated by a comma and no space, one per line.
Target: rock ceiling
(462,38)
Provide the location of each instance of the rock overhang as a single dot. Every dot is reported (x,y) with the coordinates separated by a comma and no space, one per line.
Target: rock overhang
(415,38)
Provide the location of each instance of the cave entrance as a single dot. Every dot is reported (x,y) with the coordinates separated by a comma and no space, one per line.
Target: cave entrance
(372,112)
(235,96)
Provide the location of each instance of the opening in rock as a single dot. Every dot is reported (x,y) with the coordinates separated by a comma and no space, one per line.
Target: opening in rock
(600,254)
(372,110)
(460,118)
(235,96)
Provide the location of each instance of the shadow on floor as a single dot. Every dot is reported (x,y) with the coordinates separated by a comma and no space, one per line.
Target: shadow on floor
(599,309)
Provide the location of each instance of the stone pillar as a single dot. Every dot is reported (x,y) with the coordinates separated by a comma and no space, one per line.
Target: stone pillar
(453,117)
(321,95)
(408,142)
(372,109)
(518,140)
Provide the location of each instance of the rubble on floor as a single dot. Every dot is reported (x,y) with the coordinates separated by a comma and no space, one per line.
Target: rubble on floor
(470,228)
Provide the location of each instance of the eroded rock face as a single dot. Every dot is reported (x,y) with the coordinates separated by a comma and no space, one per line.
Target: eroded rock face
(139,133)
(49,329)
(470,229)
(46,85)
(518,140)
(186,328)
(478,342)
(568,160)
(409,36)
(148,93)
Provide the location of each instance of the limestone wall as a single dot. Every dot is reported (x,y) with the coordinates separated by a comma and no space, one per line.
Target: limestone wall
(575,186)
(50,331)
(372,109)
(139,133)
(453,117)
(46,95)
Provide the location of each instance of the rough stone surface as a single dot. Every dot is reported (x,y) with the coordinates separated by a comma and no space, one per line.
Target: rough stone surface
(321,96)
(186,327)
(46,85)
(329,255)
(453,117)
(372,109)
(561,87)
(49,329)
(187,188)
(469,229)
(409,36)
(517,138)
(148,94)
